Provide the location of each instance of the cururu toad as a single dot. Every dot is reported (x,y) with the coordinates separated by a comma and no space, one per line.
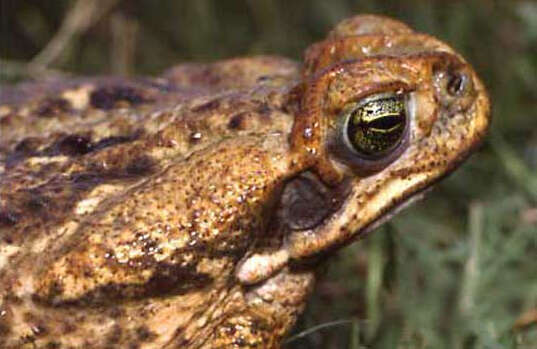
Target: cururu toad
(191,210)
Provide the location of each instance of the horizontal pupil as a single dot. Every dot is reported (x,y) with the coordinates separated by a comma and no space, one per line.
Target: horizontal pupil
(385,123)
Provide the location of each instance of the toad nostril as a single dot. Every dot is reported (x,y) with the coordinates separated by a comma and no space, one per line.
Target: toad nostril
(453,87)
(457,84)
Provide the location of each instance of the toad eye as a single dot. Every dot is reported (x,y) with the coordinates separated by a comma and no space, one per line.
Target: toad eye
(375,127)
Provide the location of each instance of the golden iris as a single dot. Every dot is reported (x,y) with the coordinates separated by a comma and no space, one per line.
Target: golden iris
(377,126)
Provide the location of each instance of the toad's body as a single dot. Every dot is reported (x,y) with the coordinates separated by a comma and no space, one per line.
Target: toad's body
(188,211)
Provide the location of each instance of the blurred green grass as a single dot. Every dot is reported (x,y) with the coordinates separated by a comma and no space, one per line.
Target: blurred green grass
(455,271)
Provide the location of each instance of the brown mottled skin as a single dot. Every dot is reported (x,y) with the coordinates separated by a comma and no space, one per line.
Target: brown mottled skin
(189,210)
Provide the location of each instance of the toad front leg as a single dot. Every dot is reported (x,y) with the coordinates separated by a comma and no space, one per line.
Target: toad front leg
(259,316)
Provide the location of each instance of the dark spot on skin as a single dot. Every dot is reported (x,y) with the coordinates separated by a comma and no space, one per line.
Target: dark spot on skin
(236,122)
(8,239)
(171,278)
(215,103)
(141,165)
(145,334)
(53,107)
(53,345)
(6,120)
(8,218)
(168,279)
(71,145)
(109,97)
(114,336)
(87,273)
(77,145)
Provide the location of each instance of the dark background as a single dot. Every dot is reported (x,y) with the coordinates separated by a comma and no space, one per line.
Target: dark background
(458,270)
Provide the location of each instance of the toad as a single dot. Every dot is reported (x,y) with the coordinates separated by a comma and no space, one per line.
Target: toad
(192,210)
